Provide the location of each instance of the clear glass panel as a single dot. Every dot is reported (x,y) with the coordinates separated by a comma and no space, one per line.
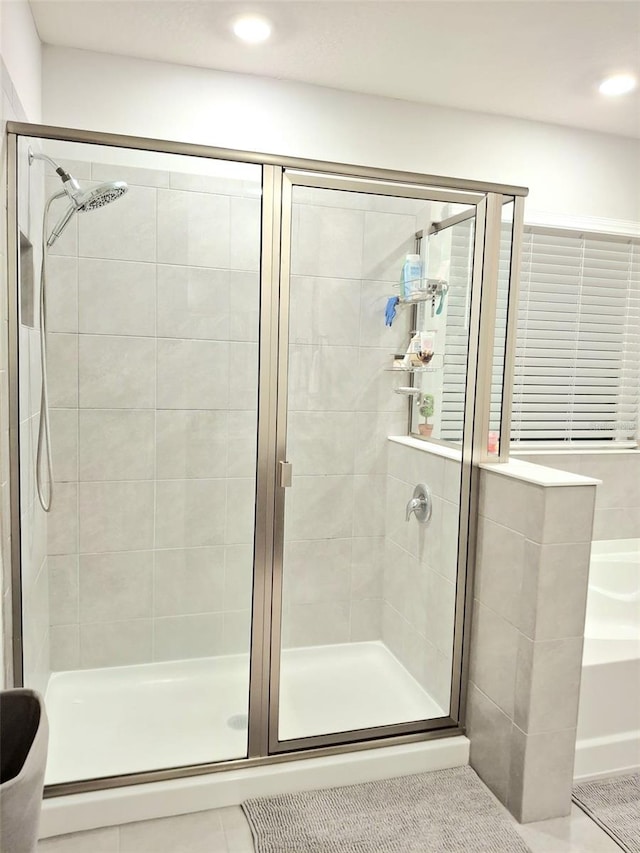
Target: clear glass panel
(137,584)
(504,271)
(438,411)
(368,605)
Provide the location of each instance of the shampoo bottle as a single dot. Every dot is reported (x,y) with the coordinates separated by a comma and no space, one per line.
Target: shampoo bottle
(411,283)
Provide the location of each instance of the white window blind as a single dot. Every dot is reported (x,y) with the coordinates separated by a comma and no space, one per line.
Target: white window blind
(577,370)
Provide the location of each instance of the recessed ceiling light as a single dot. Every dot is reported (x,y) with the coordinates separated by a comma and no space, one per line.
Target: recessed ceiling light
(252,29)
(618,84)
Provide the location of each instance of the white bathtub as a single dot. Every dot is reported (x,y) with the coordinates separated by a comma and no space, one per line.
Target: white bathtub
(608,739)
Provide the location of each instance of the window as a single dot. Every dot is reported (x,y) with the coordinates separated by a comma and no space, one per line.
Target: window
(577,367)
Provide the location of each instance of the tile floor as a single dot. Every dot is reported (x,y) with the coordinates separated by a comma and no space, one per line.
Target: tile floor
(226,831)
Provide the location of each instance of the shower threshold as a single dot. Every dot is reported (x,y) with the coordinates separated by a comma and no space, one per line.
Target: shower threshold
(129,719)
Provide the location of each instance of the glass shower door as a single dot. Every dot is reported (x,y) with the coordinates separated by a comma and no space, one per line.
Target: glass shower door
(137,584)
(367,603)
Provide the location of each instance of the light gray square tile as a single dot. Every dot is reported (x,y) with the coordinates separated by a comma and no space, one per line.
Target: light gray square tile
(241,508)
(396,573)
(452,478)
(243,376)
(369,504)
(366,620)
(116,516)
(124,230)
(62,370)
(62,294)
(324,311)
(189,580)
(441,597)
(375,386)
(319,624)
(191,444)
(105,840)
(63,589)
(499,569)
(321,442)
(319,508)
(323,379)
(64,444)
(117,372)
(192,374)
(371,430)
(494,648)
(489,731)
(568,514)
(367,555)
(62,527)
(392,629)
(193,229)
(116,586)
(134,175)
(116,444)
(554,591)
(237,632)
(327,241)
(513,503)
(190,513)
(192,636)
(193,302)
(244,245)
(388,237)
(547,684)
(116,297)
(616,523)
(115,643)
(238,578)
(541,774)
(244,306)
(64,647)
(199,832)
(317,571)
(620,475)
(242,430)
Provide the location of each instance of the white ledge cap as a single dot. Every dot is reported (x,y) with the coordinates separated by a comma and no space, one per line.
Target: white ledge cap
(538,474)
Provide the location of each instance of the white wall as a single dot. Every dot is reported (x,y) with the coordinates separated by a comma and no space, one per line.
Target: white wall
(569,171)
(22,55)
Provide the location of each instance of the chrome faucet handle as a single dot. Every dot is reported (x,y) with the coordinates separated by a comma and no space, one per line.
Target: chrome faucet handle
(421,504)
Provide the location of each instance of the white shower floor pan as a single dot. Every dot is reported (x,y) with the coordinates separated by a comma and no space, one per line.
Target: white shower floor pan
(119,720)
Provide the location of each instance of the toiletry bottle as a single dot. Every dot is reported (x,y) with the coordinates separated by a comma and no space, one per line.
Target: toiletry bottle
(411,282)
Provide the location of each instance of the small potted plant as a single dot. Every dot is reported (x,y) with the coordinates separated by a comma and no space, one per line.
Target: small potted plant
(427,408)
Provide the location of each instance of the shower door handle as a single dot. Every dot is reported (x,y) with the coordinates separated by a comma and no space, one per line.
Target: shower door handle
(286,474)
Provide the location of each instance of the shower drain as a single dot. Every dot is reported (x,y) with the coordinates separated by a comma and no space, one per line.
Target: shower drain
(238,722)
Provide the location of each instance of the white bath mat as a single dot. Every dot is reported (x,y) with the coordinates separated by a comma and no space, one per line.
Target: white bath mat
(614,804)
(448,811)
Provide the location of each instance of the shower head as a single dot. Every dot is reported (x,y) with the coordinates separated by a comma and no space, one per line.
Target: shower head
(81,200)
(84,201)
(100,195)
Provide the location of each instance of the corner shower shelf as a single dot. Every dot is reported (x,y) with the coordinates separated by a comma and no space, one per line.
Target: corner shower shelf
(412,369)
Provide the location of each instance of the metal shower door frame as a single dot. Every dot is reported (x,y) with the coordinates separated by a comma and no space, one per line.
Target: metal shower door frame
(280,174)
(475,437)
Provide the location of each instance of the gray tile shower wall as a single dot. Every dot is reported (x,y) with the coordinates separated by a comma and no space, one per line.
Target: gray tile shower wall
(153,312)
(617,514)
(532,565)
(420,567)
(347,252)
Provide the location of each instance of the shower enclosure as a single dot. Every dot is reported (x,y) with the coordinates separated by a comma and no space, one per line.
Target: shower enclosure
(226,573)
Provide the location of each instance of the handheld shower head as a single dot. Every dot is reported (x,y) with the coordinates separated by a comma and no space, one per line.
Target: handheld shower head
(81,200)
(88,200)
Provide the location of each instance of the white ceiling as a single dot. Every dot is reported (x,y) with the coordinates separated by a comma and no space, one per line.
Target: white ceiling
(534,59)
